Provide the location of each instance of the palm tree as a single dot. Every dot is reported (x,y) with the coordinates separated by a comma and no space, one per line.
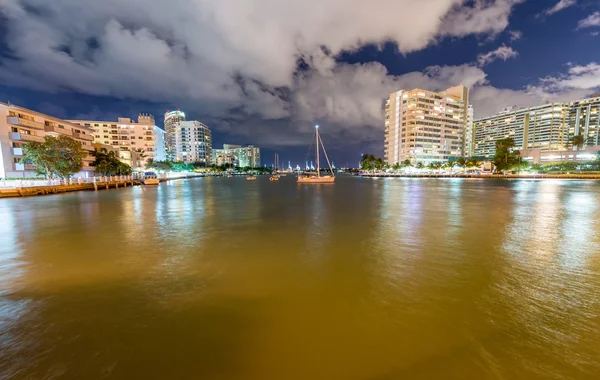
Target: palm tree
(462,162)
(576,141)
(431,166)
(406,163)
(451,164)
(419,165)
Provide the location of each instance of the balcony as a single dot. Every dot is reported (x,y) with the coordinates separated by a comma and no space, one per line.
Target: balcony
(81,136)
(17,151)
(25,137)
(54,129)
(21,166)
(88,148)
(89,158)
(15,120)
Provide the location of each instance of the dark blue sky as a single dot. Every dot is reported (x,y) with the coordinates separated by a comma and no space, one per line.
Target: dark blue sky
(277,116)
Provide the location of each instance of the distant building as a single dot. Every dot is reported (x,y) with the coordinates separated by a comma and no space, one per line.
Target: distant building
(539,156)
(172,120)
(426,126)
(136,140)
(193,142)
(237,155)
(547,127)
(19,125)
(469,146)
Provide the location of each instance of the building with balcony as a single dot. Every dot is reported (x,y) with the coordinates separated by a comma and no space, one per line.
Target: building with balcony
(193,142)
(19,125)
(547,127)
(237,155)
(137,141)
(172,120)
(426,126)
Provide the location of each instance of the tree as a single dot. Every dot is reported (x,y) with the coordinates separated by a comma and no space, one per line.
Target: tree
(407,163)
(59,156)
(396,167)
(576,141)
(505,156)
(462,162)
(107,163)
(367,162)
(419,165)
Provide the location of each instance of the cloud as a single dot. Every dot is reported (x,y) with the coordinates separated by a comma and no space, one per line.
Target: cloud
(562,4)
(578,77)
(503,52)
(515,35)
(590,21)
(223,54)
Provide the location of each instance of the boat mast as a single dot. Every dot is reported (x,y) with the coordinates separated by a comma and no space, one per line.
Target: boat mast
(317,146)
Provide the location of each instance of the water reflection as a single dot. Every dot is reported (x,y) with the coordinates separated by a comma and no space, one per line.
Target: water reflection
(365,279)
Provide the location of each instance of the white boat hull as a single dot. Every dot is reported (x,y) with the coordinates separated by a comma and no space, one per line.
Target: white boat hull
(151,181)
(325,179)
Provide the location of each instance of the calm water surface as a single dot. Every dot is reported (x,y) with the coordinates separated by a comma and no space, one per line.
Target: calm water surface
(219,278)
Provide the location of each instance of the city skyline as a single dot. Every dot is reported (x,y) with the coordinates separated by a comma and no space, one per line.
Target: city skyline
(508,52)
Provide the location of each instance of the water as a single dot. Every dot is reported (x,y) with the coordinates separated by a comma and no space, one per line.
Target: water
(222,278)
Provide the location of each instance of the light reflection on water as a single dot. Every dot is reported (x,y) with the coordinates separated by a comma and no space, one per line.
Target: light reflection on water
(363,279)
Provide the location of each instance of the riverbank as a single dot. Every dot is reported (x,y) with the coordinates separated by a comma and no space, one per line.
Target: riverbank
(67,188)
(496,176)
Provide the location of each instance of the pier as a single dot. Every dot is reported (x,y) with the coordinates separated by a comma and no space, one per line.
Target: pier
(26,188)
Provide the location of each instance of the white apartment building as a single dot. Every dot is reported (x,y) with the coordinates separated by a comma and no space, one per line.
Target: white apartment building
(547,127)
(426,126)
(193,142)
(137,141)
(248,156)
(19,125)
(172,120)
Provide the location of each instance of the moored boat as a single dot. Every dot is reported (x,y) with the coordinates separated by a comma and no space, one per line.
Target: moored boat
(317,177)
(150,178)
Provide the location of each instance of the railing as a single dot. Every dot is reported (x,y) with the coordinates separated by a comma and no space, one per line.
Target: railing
(54,129)
(17,183)
(15,120)
(82,136)
(22,136)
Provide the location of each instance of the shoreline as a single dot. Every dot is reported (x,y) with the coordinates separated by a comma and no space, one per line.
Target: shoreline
(485,176)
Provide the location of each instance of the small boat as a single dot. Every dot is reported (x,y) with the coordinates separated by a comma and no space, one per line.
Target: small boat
(150,178)
(251,177)
(275,177)
(317,177)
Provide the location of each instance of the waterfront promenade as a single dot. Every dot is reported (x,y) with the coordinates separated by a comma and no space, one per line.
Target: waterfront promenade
(495,176)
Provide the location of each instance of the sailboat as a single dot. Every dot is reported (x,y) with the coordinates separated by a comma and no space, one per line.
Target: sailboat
(274,177)
(317,177)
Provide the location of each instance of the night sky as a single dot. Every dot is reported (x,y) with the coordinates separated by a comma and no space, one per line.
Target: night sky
(264,72)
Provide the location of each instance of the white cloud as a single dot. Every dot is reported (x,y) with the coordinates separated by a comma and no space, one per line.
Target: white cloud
(503,52)
(562,4)
(579,77)
(515,35)
(198,49)
(590,21)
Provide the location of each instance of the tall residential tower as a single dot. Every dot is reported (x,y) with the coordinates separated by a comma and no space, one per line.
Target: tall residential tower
(426,126)
(172,120)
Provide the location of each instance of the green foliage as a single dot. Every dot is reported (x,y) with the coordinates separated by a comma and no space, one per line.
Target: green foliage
(370,162)
(109,164)
(59,156)
(462,162)
(506,157)
(576,141)
(419,165)
(407,163)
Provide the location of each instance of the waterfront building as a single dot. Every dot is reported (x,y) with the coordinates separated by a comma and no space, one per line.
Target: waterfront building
(539,156)
(426,126)
(237,155)
(469,134)
(19,125)
(193,142)
(547,127)
(172,120)
(136,140)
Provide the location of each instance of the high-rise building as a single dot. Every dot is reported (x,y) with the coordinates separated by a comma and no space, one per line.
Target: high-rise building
(469,136)
(237,155)
(172,120)
(426,126)
(19,126)
(548,127)
(136,140)
(193,142)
